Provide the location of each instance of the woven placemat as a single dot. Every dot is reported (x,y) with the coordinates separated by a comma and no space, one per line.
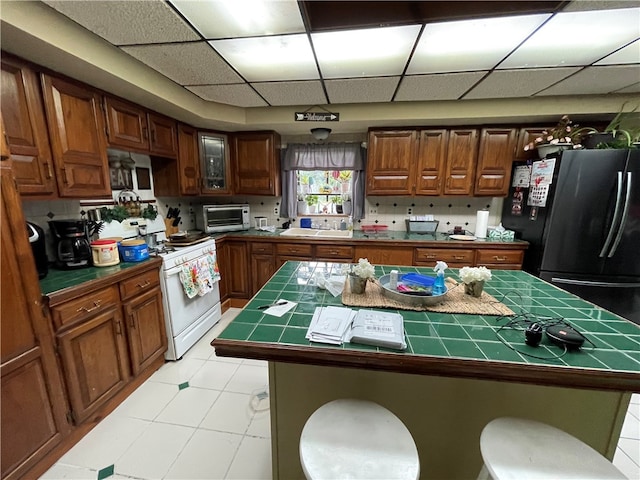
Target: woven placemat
(455,301)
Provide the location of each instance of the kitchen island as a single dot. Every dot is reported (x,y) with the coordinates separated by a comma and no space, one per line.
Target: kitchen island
(455,375)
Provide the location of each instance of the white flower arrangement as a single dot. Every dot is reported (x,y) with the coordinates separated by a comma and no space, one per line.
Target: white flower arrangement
(474,274)
(363,269)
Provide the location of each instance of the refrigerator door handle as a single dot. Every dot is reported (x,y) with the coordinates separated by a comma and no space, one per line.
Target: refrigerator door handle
(623,221)
(590,283)
(614,220)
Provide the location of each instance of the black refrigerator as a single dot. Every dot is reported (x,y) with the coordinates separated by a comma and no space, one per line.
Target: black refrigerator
(586,237)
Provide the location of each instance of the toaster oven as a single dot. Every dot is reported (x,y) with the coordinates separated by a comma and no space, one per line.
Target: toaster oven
(223,218)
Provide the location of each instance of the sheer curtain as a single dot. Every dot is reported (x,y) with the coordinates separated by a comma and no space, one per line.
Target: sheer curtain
(322,156)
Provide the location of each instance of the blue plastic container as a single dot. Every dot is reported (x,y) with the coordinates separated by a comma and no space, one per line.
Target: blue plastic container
(133,253)
(417,279)
(305,223)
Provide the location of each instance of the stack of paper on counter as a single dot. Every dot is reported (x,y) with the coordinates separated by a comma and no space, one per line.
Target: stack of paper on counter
(330,325)
(381,329)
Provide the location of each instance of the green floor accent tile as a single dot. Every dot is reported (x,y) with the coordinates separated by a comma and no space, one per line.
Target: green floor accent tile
(106,472)
(184,385)
(266,333)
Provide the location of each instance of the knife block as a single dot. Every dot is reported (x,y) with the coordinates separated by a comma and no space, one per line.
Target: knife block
(169,228)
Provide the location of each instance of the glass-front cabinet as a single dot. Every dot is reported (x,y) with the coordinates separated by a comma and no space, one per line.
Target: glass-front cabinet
(214,163)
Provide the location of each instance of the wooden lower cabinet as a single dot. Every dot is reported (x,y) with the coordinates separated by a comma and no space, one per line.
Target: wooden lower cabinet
(236,266)
(454,257)
(263,264)
(379,255)
(300,252)
(334,253)
(146,331)
(500,259)
(95,361)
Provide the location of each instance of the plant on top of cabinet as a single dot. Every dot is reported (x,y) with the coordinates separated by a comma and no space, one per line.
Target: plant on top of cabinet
(76,130)
(256,163)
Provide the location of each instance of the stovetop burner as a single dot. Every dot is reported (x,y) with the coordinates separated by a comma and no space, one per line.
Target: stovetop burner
(161,249)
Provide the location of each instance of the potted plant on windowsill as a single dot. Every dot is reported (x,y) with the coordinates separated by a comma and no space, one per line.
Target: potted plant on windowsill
(312,202)
(564,136)
(336,200)
(346,204)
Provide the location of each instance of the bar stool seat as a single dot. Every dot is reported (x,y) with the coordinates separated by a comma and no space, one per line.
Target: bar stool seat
(357,439)
(517,448)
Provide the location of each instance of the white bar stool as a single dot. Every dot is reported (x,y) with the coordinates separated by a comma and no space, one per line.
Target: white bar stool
(517,448)
(357,439)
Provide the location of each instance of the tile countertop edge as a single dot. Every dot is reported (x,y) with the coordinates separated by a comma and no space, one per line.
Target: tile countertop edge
(557,376)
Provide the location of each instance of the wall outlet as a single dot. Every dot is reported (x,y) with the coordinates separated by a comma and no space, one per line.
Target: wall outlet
(276,211)
(373,210)
(409,211)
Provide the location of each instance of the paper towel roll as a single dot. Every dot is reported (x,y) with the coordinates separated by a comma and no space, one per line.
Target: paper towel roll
(482,220)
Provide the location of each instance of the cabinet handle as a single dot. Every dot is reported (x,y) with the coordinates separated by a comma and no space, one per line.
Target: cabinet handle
(448,182)
(430,256)
(64,176)
(96,305)
(132,321)
(145,284)
(48,167)
(145,134)
(500,259)
(153,135)
(458,257)
(118,328)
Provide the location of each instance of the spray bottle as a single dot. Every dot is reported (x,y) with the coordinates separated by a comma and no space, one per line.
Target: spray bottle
(438,286)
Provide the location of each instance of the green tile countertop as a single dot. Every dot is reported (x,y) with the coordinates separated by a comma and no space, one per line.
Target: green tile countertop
(58,280)
(446,344)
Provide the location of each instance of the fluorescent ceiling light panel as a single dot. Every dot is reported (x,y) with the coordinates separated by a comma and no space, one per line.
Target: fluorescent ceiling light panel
(469,45)
(264,59)
(577,38)
(364,53)
(241,18)
(628,54)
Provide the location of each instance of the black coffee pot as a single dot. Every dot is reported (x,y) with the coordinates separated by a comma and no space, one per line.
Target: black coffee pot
(72,243)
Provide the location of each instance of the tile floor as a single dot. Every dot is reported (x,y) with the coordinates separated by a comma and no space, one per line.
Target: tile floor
(204,418)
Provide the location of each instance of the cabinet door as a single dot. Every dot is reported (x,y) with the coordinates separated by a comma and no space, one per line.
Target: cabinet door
(390,162)
(126,125)
(146,331)
(256,164)
(462,151)
(432,153)
(237,269)
(262,269)
(214,163)
(26,129)
(188,160)
(378,255)
(164,139)
(77,137)
(497,151)
(32,403)
(95,361)
(4,143)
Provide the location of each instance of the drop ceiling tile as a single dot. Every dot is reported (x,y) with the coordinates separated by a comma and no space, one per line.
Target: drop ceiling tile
(448,86)
(635,88)
(361,90)
(628,54)
(518,83)
(234,19)
(580,5)
(127,22)
(292,93)
(240,95)
(576,39)
(596,80)
(186,63)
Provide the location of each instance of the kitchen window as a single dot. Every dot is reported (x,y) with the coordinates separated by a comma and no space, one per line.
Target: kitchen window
(324,176)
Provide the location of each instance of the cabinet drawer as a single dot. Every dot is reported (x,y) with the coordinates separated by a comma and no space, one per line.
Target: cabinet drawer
(294,249)
(139,284)
(262,248)
(330,251)
(499,257)
(429,256)
(77,310)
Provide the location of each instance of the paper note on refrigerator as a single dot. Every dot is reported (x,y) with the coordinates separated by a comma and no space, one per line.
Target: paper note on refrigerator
(542,172)
(521,176)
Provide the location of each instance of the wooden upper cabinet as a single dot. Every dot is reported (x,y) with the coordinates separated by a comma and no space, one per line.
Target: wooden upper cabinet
(256,163)
(215,163)
(162,135)
(497,151)
(4,144)
(26,129)
(188,160)
(462,152)
(76,130)
(525,136)
(432,155)
(132,127)
(126,125)
(390,162)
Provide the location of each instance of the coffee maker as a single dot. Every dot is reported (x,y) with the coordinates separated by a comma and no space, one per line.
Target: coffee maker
(39,249)
(72,247)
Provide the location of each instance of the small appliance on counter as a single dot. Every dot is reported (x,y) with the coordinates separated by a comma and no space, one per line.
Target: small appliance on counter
(223,218)
(39,249)
(71,244)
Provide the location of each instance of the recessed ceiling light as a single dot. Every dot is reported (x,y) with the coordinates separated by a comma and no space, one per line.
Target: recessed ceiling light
(262,59)
(470,44)
(577,38)
(365,52)
(241,18)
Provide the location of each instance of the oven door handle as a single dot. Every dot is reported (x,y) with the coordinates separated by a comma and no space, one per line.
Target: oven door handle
(172,271)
